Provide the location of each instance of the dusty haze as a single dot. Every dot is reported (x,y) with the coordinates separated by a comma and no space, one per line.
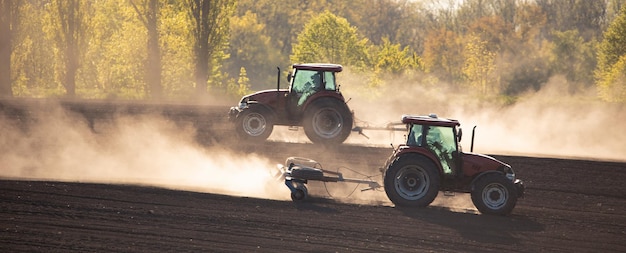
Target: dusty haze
(144,150)
(548,123)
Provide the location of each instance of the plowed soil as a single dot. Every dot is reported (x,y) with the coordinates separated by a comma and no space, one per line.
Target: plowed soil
(571,205)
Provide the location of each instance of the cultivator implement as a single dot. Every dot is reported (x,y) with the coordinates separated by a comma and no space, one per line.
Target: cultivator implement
(298,171)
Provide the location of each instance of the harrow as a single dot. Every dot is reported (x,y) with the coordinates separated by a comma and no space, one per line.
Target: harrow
(298,171)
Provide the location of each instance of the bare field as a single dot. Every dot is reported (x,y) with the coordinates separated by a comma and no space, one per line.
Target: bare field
(570,205)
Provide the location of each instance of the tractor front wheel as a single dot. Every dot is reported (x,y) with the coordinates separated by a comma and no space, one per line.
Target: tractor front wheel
(494,194)
(255,124)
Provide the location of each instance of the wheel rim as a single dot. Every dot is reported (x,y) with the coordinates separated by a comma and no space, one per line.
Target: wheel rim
(411,182)
(254,124)
(495,196)
(327,123)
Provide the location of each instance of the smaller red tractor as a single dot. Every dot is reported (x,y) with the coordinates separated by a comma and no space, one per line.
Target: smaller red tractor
(313,101)
(430,161)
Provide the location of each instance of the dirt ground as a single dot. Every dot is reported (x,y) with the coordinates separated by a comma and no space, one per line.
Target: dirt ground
(571,205)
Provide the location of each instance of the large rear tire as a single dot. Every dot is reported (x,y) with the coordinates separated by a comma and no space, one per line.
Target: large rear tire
(494,194)
(327,121)
(255,124)
(412,181)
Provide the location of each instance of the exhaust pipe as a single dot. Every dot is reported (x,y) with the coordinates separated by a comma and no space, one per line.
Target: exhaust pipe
(278,79)
(472,146)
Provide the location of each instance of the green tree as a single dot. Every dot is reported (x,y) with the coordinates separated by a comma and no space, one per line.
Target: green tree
(243,84)
(573,58)
(612,50)
(251,48)
(114,63)
(612,86)
(32,65)
(210,25)
(480,66)
(70,21)
(328,38)
(391,58)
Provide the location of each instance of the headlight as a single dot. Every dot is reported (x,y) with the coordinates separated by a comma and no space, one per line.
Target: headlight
(243,105)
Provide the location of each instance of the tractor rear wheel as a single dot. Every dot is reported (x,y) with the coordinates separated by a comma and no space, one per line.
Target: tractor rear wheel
(255,124)
(412,181)
(494,194)
(327,121)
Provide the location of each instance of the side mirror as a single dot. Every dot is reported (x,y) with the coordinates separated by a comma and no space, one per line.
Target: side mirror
(459,135)
(289,78)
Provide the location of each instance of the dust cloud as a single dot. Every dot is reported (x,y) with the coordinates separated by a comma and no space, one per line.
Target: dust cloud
(144,150)
(548,123)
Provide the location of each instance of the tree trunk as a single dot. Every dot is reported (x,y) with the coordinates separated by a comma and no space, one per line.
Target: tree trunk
(200,12)
(70,35)
(6,8)
(153,66)
(210,19)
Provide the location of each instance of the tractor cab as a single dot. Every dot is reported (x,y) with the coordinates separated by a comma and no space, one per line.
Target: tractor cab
(437,138)
(307,80)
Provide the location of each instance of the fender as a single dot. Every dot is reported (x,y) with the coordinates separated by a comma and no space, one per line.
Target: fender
(407,150)
(254,104)
(323,94)
(499,171)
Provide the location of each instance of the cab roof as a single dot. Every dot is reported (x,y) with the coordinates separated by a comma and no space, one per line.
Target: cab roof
(430,120)
(319,66)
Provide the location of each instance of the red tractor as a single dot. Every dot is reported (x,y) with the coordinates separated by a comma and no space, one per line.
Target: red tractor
(313,101)
(430,161)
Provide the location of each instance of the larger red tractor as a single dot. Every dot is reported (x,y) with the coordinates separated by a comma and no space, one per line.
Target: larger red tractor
(313,101)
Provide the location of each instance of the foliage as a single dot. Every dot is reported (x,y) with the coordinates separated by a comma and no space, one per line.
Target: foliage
(612,86)
(242,86)
(328,38)
(113,65)
(574,58)
(611,55)
(69,24)
(501,48)
(391,58)
(250,48)
(480,66)
(442,55)
(209,28)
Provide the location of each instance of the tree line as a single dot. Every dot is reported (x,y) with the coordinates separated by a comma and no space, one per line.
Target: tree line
(162,49)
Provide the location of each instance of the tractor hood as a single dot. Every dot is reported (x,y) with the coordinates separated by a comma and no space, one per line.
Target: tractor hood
(476,163)
(264,96)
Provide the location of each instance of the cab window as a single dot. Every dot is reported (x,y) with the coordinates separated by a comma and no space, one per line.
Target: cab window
(305,81)
(329,81)
(441,141)
(415,136)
